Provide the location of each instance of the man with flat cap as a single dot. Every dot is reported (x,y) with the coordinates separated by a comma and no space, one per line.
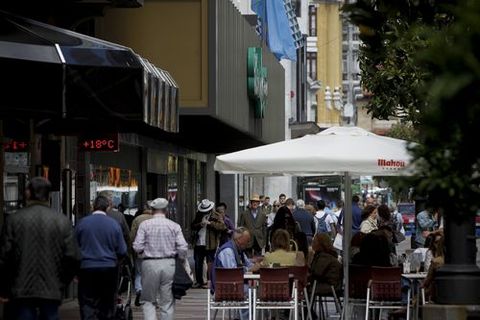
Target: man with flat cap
(159,240)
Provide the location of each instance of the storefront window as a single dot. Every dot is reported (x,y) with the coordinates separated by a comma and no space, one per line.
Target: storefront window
(201,167)
(14,180)
(123,183)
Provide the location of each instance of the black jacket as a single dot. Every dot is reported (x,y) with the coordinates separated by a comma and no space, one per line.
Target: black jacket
(38,253)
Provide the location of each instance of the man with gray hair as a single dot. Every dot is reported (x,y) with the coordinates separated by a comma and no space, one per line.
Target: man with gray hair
(305,220)
(160,240)
(116,215)
(231,254)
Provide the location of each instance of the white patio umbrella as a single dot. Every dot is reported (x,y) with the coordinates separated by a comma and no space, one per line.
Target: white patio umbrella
(343,151)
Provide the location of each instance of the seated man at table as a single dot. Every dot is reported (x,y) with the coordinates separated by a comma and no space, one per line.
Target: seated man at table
(231,254)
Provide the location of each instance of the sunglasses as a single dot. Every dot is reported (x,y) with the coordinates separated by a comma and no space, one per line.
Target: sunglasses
(276,206)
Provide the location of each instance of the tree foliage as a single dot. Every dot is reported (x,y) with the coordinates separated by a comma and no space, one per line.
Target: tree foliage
(392,33)
(449,150)
(422,59)
(404,131)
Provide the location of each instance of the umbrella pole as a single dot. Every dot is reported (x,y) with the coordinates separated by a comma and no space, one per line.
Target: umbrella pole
(64,79)
(347,232)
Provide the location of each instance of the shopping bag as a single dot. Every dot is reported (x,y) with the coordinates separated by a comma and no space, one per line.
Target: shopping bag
(338,242)
(181,280)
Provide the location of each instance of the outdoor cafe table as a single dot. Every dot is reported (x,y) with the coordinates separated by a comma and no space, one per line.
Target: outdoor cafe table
(415,279)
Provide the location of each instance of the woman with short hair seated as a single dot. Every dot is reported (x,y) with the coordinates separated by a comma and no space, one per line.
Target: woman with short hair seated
(325,267)
(281,255)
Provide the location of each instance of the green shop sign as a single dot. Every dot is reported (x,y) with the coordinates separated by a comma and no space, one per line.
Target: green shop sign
(257,85)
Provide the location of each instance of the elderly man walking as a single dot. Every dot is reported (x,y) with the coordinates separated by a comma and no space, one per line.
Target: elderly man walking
(38,257)
(305,220)
(160,240)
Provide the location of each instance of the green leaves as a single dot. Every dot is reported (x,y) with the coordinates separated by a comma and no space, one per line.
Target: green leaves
(422,64)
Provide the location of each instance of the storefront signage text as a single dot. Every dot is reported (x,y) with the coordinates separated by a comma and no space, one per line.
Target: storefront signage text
(106,142)
(257,85)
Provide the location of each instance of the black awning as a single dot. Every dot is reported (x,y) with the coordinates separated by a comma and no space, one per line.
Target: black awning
(49,72)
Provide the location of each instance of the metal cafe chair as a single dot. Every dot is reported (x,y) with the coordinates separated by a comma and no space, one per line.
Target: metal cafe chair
(274,292)
(384,290)
(321,302)
(301,275)
(229,293)
(357,288)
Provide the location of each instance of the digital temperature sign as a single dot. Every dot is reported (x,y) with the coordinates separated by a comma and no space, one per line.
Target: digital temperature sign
(15,146)
(104,142)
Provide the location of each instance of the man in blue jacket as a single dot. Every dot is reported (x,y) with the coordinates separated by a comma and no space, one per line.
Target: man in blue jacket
(305,220)
(102,245)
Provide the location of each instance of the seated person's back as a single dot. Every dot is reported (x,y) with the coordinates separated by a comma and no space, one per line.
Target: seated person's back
(280,255)
(325,268)
(374,251)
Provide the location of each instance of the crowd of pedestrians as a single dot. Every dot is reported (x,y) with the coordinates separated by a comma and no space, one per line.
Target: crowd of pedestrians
(41,253)
(293,233)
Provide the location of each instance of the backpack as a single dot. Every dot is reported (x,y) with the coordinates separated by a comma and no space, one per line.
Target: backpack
(322,224)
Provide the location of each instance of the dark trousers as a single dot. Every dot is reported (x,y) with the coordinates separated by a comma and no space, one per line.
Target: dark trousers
(32,309)
(199,255)
(254,250)
(97,291)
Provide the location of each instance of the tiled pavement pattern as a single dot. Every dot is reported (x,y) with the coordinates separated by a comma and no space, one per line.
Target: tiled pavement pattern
(193,306)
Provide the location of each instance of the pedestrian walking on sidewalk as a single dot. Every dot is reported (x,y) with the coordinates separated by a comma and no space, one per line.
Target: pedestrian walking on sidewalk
(38,257)
(207,228)
(147,214)
(102,246)
(160,240)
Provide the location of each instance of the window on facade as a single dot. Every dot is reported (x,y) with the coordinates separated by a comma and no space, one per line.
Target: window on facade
(312,65)
(312,21)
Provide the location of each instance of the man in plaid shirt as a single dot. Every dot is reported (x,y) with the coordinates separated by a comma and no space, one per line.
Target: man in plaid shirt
(160,240)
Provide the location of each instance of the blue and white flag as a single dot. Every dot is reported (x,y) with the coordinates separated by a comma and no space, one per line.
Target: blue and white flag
(278,25)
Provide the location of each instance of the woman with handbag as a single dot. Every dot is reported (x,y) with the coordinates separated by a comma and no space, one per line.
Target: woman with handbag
(281,255)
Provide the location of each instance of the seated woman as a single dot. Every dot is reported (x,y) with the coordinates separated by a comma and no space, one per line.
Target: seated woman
(325,267)
(281,254)
(438,260)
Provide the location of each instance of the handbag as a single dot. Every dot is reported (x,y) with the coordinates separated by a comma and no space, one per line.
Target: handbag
(181,280)
(338,242)
(398,236)
(299,256)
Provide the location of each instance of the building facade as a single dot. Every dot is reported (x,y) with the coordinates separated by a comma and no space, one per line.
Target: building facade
(209,59)
(205,47)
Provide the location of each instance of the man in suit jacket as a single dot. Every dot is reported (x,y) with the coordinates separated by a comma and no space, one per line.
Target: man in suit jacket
(255,221)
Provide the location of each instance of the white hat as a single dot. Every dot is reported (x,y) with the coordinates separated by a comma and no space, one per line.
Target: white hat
(159,203)
(205,205)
